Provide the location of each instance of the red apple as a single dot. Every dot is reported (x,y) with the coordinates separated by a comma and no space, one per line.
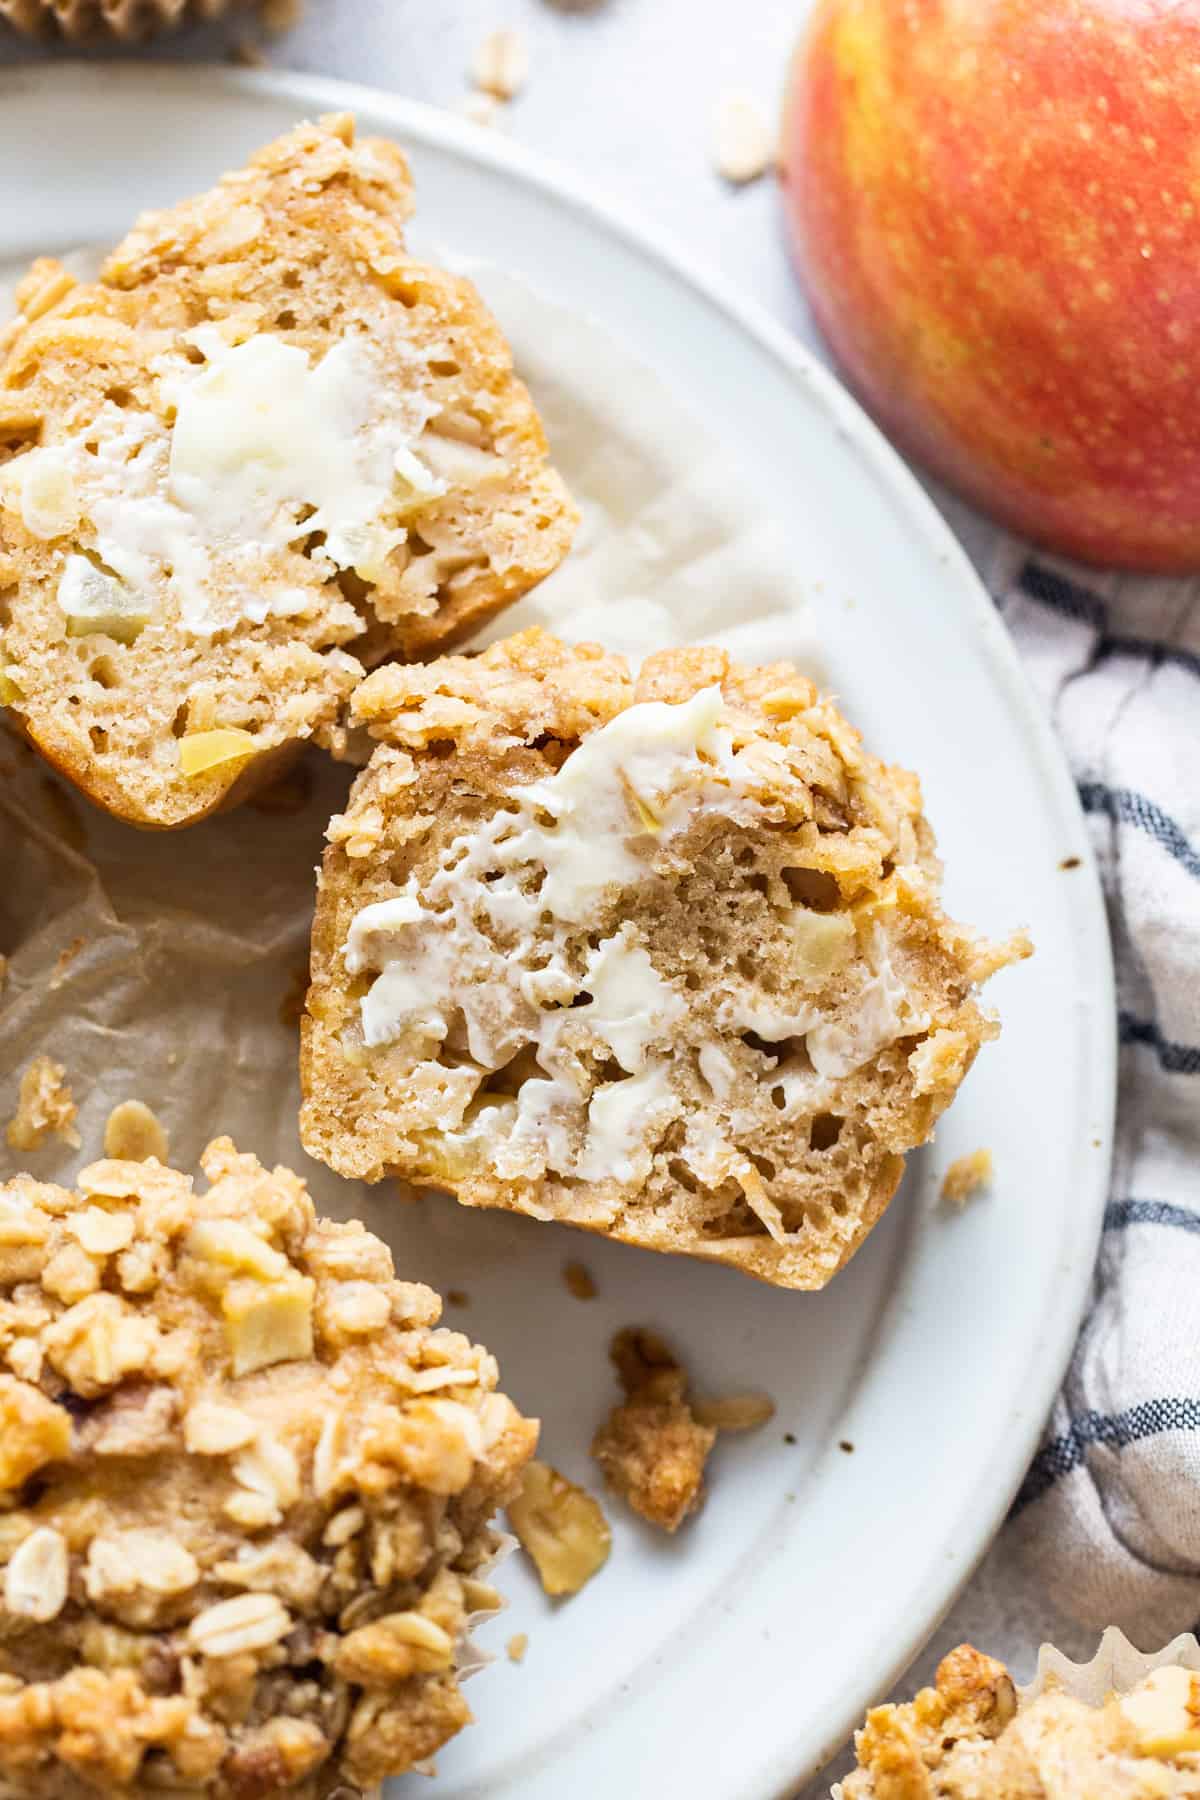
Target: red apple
(996,207)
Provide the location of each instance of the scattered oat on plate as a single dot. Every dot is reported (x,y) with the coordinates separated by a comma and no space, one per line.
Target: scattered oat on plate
(264,450)
(135,1134)
(665,959)
(246,1482)
(500,65)
(743,140)
(561,1527)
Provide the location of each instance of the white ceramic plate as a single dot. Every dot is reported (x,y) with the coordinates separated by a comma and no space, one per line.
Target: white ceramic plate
(730,1662)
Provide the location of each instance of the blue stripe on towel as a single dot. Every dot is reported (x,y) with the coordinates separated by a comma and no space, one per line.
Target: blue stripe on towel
(1062,596)
(1116,1431)
(1074,601)
(1177,1059)
(1126,807)
(1122,1213)
(1152,651)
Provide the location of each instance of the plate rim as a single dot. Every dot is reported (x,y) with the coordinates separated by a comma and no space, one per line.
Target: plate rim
(797,1753)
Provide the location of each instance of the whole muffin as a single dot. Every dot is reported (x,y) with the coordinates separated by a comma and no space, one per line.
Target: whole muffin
(247,1487)
(969,1738)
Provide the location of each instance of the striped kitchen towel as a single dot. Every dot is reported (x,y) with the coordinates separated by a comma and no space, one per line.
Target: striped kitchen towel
(1108,1518)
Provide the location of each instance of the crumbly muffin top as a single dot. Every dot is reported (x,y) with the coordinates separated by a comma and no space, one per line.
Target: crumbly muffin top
(246,1484)
(968,1739)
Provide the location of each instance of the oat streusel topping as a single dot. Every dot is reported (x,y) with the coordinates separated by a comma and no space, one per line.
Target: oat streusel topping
(969,1738)
(245,1491)
(651,1447)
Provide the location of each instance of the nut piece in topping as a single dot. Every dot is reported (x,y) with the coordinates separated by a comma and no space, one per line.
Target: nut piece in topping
(562,1527)
(45,1104)
(252,1545)
(651,1448)
(966,1175)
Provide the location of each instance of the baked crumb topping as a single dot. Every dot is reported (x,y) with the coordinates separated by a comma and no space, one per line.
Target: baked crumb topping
(651,1448)
(45,1107)
(968,1738)
(246,1483)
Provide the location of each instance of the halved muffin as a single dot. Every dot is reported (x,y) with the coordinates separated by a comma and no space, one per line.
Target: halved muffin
(264,450)
(246,1489)
(664,959)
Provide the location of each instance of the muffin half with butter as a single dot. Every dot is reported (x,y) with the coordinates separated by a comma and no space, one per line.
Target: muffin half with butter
(664,959)
(264,450)
(246,1485)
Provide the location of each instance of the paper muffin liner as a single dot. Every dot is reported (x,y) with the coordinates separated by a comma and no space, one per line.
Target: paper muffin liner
(121,21)
(1116,1668)
(470,1657)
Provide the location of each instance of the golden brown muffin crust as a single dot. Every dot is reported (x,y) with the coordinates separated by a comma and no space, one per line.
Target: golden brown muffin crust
(247,1483)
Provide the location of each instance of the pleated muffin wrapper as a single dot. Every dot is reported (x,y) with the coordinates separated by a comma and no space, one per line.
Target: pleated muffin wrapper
(1116,1669)
(118,21)
(470,1657)
(1114,1672)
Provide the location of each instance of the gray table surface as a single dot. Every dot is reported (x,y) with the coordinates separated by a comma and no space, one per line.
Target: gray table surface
(622,92)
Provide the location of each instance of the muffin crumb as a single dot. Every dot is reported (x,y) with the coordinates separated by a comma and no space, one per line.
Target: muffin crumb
(517,1645)
(45,1105)
(966,1175)
(278,16)
(651,1447)
(579,1281)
